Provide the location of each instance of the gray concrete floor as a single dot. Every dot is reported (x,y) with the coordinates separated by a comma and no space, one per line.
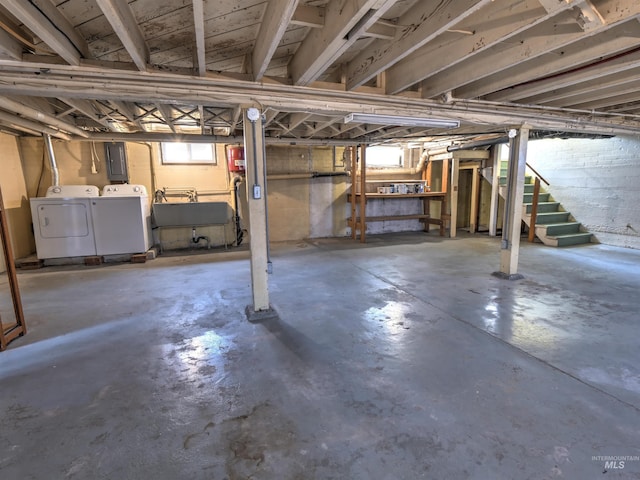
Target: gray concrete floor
(400,359)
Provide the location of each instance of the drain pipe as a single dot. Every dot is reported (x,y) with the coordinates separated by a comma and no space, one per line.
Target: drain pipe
(239,233)
(196,239)
(55,175)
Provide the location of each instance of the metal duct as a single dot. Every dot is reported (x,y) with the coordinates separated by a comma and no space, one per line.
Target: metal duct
(55,175)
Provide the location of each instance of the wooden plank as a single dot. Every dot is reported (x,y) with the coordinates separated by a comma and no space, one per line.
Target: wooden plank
(274,23)
(58,36)
(475,188)
(345,22)
(352,198)
(20,328)
(453,208)
(198,25)
(495,191)
(308,16)
(610,42)
(534,210)
(507,19)
(126,28)
(422,23)
(9,46)
(386,218)
(534,42)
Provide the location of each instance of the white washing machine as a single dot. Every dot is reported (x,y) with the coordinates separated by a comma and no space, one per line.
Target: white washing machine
(62,221)
(122,220)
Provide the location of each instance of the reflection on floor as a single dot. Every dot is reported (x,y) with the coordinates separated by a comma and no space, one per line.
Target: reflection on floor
(401,358)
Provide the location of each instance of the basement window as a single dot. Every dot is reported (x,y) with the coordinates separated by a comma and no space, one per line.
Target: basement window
(188,153)
(384,156)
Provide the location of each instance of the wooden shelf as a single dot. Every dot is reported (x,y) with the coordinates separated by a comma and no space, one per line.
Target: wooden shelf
(388,218)
(434,195)
(359,182)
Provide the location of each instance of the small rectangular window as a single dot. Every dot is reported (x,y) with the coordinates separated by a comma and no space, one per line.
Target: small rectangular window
(382,156)
(188,153)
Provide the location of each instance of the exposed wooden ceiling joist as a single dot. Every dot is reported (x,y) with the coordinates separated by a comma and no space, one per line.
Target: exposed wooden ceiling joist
(275,22)
(46,21)
(552,35)
(86,108)
(165,111)
(421,24)
(198,25)
(502,19)
(124,24)
(345,22)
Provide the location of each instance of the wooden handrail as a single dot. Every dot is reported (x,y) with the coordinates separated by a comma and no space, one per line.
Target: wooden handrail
(534,210)
(537,174)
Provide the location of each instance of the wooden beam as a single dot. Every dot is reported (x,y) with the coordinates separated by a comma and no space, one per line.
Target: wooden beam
(381,31)
(198,25)
(507,19)
(354,189)
(128,111)
(165,111)
(307,16)
(363,193)
(422,23)
(9,46)
(124,24)
(39,116)
(11,119)
(257,205)
(596,89)
(202,119)
(235,118)
(495,190)
(87,108)
(546,37)
(631,95)
(274,23)
(510,247)
(295,119)
(78,82)
(46,21)
(453,202)
(570,79)
(345,22)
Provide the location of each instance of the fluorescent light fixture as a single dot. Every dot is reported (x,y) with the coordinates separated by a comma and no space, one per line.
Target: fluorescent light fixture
(399,121)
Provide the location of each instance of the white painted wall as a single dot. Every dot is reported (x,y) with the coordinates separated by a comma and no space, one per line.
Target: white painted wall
(598,181)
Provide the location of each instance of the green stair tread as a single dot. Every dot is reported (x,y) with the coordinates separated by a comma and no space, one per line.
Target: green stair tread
(544,207)
(573,239)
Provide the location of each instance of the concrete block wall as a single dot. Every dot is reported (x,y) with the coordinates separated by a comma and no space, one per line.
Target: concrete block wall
(598,181)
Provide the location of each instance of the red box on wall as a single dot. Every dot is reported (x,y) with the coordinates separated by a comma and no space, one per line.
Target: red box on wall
(235,158)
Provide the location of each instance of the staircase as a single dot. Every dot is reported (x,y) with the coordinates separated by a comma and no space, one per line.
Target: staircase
(553,225)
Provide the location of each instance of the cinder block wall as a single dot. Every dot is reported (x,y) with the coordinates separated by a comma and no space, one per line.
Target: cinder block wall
(598,181)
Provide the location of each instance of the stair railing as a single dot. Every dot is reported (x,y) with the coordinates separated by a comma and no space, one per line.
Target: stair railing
(534,202)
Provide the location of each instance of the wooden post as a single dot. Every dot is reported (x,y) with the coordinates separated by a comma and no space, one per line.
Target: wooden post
(475,183)
(19,328)
(513,206)
(534,210)
(256,198)
(354,179)
(455,178)
(495,191)
(363,193)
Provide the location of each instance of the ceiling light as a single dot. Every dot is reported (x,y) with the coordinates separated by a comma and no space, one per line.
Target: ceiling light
(377,119)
